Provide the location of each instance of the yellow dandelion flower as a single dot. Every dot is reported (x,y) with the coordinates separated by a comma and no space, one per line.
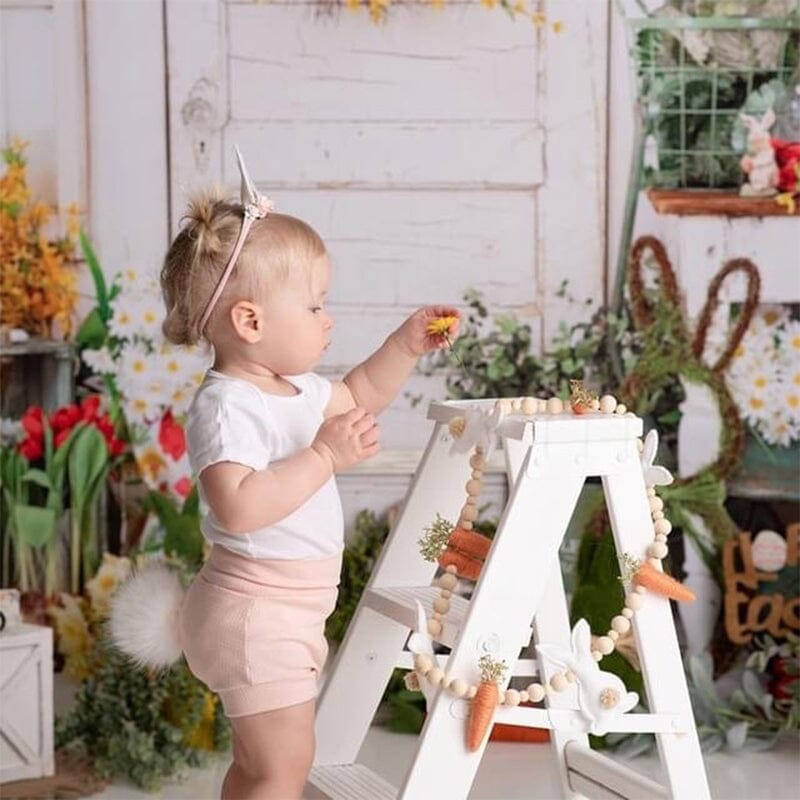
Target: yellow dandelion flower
(441,326)
(151,464)
(558,26)
(756,403)
(793,401)
(489,3)
(353,4)
(795,341)
(538,19)
(786,200)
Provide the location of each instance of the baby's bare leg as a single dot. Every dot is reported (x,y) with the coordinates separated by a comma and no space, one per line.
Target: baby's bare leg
(272,754)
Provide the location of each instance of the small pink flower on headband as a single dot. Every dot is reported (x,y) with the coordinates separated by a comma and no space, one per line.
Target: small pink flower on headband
(256,206)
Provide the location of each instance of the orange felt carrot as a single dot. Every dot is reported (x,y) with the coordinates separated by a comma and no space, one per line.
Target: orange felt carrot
(661,583)
(470,543)
(481,710)
(466,567)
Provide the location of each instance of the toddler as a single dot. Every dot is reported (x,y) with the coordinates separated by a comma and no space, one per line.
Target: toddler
(266,436)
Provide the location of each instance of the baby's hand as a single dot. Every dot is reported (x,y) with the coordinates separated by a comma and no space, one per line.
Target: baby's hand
(348,438)
(417,335)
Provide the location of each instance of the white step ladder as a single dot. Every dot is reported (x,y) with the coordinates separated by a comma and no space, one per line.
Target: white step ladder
(548,458)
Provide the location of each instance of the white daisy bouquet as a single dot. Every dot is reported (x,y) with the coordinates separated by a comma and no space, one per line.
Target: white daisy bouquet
(764,375)
(152,381)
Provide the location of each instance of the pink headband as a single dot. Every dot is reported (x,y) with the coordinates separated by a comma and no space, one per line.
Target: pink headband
(256,206)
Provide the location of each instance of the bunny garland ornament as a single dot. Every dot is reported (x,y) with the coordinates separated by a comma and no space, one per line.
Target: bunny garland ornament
(602,696)
(759,162)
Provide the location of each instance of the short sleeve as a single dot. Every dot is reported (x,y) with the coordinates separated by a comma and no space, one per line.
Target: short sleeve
(227,422)
(317,388)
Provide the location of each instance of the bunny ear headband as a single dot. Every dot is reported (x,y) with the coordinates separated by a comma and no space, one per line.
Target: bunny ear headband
(256,206)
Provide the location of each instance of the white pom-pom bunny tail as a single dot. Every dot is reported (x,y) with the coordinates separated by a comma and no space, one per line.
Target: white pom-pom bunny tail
(144,616)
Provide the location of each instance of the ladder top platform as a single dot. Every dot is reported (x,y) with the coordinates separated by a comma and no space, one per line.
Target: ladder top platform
(567,427)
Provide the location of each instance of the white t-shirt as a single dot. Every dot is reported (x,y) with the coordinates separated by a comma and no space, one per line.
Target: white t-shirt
(231,419)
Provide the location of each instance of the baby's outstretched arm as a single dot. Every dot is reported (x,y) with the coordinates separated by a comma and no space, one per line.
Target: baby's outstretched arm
(243,499)
(374,383)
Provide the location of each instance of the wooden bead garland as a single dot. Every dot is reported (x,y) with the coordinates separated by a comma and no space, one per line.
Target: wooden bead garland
(535,692)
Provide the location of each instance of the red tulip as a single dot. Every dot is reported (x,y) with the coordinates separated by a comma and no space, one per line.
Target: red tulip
(62,437)
(33,422)
(89,406)
(32,448)
(65,418)
(171,436)
(116,447)
(183,487)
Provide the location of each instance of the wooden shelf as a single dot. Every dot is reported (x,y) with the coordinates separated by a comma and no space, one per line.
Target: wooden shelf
(703,202)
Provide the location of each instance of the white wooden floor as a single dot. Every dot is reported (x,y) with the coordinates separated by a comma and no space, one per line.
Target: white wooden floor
(512,771)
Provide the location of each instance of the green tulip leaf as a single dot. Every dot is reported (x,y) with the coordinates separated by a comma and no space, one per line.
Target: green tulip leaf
(34,525)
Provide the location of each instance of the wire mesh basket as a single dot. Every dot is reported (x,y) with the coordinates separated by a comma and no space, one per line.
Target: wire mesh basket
(695,73)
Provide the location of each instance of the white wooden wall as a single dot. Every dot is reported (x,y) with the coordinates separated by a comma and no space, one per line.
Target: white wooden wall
(439,151)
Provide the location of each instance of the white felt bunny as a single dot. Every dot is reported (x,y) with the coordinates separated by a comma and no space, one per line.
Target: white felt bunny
(420,643)
(759,162)
(602,696)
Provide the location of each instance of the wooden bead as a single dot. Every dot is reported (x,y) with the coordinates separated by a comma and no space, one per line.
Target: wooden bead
(640,589)
(423,663)
(621,409)
(516,404)
(472,691)
(434,627)
(651,491)
(477,461)
(477,474)
(662,526)
(658,515)
(634,601)
(559,682)
(465,524)
(473,487)
(458,687)
(657,550)
(570,675)
(469,513)
(656,504)
(437,616)
(529,406)
(605,645)
(608,403)
(541,405)
(555,405)
(613,635)
(504,405)
(535,692)
(512,698)
(597,655)
(435,677)
(448,581)
(524,697)
(654,562)
(660,537)
(441,605)
(451,569)
(445,593)
(621,624)
(626,612)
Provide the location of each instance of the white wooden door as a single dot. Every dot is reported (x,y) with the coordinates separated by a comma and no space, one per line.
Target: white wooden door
(438,151)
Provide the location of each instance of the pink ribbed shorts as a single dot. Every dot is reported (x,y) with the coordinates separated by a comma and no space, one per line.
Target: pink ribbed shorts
(253,629)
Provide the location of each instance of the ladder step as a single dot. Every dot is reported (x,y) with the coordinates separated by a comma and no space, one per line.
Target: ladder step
(349,782)
(400,604)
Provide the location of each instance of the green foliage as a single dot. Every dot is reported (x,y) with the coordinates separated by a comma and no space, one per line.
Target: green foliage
(136,724)
(498,361)
(360,554)
(182,535)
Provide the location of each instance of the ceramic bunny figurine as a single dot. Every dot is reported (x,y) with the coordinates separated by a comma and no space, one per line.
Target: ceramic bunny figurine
(759,162)
(602,696)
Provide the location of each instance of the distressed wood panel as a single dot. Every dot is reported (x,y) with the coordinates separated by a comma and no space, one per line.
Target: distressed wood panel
(127,125)
(572,208)
(399,247)
(387,154)
(28,91)
(480,62)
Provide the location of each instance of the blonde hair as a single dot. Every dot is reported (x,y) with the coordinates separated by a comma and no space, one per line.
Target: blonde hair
(276,247)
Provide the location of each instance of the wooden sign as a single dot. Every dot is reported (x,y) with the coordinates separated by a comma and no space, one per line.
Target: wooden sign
(748,611)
